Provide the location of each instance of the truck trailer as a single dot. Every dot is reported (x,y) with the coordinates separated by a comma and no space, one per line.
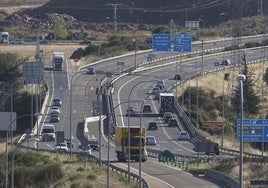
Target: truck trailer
(166,102)
(137,134)
(58,61)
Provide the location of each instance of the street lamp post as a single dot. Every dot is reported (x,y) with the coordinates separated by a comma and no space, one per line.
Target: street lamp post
(13,156)
(11,103)
(70,112)
(129,122)
(223,112)
(7,135)
(140,143)
(241,78)
(98,99)
(135,52)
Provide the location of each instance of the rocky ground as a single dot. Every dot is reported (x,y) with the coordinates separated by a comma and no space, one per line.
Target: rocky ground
(13,16)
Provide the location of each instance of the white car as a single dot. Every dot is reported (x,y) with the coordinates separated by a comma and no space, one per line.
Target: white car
(150,140)
(84,149)
(55,110)
(61,147)
(57,102)
(183,135)
(54,118)
(167,116)
(226,62)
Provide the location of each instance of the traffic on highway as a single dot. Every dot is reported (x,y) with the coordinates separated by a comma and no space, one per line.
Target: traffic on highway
(128,116)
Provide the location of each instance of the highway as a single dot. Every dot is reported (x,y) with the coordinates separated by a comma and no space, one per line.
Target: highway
(84,94)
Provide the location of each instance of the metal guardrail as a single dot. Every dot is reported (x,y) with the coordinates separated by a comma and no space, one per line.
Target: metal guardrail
(254,158)
(182,161)
(221,177)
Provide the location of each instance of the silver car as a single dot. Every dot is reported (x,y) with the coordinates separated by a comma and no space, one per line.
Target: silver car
(55,110)
(183,135)
(54,118)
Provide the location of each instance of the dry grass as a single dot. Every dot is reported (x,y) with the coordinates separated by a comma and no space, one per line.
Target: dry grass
(22,2)
(12,6)
(28,51)
(216,83)
(81,173)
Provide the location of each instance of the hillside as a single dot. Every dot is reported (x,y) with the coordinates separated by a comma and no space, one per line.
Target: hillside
(158,12)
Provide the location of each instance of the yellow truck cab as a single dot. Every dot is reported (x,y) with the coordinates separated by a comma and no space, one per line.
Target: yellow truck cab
(121,143)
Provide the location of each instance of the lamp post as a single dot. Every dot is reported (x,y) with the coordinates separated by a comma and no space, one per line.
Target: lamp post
(223,112)
(135,52)
(98,99)
(70,112)
(6,166)
(241,78)
(13,156)
(140,143)
(11,103)
(129,122)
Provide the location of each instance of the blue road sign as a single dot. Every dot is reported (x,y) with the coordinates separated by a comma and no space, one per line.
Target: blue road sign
(183,43)
(161,42)
(254,130)
(216,64)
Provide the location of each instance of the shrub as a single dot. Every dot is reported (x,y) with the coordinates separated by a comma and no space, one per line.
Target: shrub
(75,176)
(80,169)
(91,177)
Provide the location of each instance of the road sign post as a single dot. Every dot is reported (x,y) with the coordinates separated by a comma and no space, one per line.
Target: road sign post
(161,42)
(254,130)
(182,43)
(211,125)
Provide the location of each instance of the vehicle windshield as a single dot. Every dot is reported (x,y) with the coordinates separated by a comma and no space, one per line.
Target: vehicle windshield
(48,130)
(61,144)
(93,142)
(135,141)
(150,139)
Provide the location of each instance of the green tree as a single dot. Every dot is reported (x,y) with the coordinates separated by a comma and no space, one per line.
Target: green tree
(251,99)
(9,66)
(60,29)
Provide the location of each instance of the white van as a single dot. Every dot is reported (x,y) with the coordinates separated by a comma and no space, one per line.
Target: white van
(226,62)
(48,133)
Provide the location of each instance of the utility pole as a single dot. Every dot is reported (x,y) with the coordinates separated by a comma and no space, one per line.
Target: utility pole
(236,56)
(115,16)
(260,7)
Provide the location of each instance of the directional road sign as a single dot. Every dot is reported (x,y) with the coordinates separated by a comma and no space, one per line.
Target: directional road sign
(254,130)
(33,72)
(211,124)
(183,43)
(161,42)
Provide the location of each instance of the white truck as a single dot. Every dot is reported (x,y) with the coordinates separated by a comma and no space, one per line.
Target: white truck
(4,37)
(166,102)
(58,61)
(48,133)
